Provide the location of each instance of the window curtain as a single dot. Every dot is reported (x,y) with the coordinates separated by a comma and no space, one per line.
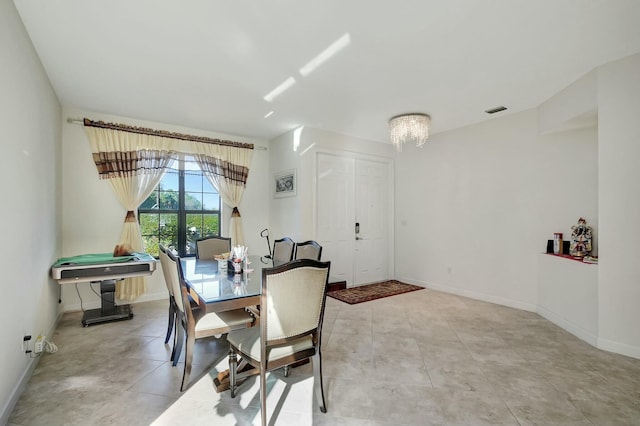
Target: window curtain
(133,174)
(228,173)
(134,159)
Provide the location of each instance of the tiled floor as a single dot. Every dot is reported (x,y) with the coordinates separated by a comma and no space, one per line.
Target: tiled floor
(421,358)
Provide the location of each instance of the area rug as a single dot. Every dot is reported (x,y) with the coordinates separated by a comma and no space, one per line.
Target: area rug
(365,293)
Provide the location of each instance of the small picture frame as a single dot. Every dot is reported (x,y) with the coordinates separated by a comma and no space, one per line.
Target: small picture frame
(285,184)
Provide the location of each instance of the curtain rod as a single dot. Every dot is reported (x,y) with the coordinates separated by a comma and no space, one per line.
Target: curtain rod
(162,133)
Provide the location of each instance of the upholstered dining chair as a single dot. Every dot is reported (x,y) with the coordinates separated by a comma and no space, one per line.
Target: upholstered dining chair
(207,248)
(170,273)
(197,324)
(308,250)
(288,332)
(164,262)
(283,250)
(169,263)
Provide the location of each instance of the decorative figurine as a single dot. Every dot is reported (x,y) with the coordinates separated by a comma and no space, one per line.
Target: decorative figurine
(580,239)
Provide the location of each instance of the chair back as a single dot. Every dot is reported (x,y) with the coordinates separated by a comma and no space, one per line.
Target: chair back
(292,301)
(164,262)
(308,250)
(207,248)
(283,250)
(175,271)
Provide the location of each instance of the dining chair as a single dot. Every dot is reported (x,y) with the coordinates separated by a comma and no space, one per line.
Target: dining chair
(207,248)
(196,324)
(170,273)
(308,250)
(283,250)
(164,262)
(288,332)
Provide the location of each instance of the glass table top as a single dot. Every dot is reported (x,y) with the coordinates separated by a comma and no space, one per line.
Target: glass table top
(215,285)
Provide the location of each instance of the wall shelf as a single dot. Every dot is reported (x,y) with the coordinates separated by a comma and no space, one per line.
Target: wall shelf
(568,256)
(568,295)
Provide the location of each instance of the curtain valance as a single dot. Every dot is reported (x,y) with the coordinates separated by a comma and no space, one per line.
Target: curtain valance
(121,150)
(164,134)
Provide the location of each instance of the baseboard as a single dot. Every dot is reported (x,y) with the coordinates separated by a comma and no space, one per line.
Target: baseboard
(473,295)
(18,390)
(147,297)
(572,328)
(21,386)
(619,348)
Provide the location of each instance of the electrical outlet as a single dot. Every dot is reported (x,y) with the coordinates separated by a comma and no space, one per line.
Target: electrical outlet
(26,338)
(38,346)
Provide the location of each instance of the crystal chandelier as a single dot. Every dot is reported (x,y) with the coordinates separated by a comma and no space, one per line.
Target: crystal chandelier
(408,127)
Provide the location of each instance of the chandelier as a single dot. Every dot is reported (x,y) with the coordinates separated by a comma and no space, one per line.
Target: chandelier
(409,127)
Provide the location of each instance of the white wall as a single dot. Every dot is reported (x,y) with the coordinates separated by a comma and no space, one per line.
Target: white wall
(568,295)
(295,216)
(619,205)
(476,205)
(286,214)
(573,107)
(30,216)
(92,215)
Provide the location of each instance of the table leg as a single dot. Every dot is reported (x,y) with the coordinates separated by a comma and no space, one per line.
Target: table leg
(108,311)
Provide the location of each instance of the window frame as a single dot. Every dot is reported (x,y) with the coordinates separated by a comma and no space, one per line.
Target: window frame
(182,212)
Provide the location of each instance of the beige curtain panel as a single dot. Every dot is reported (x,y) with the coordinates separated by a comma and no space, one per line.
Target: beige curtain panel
(229,176)
(133,174)
(135,159)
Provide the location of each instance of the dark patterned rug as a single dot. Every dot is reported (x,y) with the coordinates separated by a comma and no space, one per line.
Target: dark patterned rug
(365,293)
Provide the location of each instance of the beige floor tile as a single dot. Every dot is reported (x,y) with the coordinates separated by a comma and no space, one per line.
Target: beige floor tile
(422,358)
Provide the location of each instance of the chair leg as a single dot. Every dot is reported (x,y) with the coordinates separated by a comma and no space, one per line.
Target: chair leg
(175,342)
(233,368)
(188,358)
(172,317)
(263,393)
(316,360)
(177,347)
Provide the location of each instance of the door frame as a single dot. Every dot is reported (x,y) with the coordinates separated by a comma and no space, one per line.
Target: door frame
(390,163)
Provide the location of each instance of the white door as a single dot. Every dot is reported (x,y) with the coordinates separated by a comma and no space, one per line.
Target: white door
(335,209)
(371,217)
(353,217)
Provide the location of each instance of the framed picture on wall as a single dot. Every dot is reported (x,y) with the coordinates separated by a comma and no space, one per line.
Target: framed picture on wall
(285,184)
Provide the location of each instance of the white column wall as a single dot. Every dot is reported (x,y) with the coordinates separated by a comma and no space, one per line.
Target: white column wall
(286,216)
(619,206)
(93,217)
(30,215)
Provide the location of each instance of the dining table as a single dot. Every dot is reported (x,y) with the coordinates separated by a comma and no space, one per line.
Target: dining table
(217,289)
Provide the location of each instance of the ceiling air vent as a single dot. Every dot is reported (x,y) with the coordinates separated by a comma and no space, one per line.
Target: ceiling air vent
(496,109)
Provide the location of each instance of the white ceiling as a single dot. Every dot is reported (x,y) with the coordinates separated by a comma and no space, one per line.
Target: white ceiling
(207,64)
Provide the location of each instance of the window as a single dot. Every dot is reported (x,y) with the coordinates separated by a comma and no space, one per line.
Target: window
(183,207)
